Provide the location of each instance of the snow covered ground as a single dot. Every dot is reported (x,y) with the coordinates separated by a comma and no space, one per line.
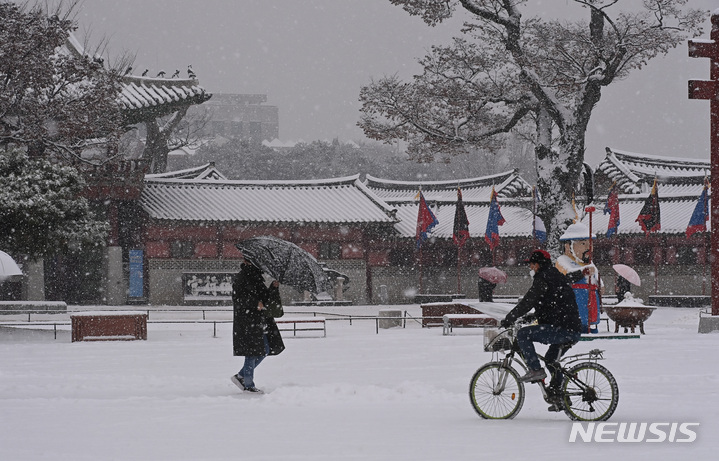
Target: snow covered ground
(397,395)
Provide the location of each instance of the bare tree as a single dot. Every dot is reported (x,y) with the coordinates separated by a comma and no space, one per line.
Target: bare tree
(511,70)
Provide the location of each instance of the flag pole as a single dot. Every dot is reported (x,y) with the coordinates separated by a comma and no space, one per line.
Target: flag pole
(420,269)
(704,263)
(459,264)
(656,266)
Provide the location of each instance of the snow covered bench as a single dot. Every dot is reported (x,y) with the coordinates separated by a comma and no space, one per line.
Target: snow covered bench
(451,321)
(34,307)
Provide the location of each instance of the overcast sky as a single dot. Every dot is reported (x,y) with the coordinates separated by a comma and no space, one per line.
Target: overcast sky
(312,56)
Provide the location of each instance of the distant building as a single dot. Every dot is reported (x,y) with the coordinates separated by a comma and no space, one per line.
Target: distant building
(240,116)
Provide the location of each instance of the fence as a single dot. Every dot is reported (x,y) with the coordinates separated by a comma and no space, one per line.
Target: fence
(326,316)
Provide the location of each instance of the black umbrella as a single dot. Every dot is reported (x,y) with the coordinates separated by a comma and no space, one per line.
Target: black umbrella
(285,262)
(333,274)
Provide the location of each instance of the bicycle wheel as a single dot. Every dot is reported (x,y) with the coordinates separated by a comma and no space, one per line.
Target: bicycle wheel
(495,392)
(590,393)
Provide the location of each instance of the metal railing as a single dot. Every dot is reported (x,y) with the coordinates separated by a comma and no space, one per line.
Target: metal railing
(328,316)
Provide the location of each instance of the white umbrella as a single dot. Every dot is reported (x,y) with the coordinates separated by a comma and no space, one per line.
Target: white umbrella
(8,266)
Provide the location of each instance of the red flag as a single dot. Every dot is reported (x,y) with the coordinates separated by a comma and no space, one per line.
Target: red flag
(425,221)
(495,219)
(612,207)
(649,218)
(460,234)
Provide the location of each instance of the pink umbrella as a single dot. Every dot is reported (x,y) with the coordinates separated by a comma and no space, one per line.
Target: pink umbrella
(628,273)
(493,275)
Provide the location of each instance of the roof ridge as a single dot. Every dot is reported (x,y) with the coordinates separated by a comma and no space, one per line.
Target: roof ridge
(391,183)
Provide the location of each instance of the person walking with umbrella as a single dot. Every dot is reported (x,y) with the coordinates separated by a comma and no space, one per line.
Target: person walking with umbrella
(254,333)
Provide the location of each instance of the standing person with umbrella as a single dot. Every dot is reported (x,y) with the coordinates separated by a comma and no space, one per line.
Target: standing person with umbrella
(489,277)
(254,334)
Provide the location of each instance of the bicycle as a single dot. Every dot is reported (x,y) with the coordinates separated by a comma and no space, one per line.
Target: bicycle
(588,391)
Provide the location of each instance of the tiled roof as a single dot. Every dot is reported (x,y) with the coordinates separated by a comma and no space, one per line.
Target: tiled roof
(144,93)
(634,173)
(675,214)
(340,200)
(141,93)
(207,171)
(518,219)
(679,180)
(507,184)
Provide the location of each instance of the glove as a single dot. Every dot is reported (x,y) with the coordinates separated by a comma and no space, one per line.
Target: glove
(529,318)
(505,323)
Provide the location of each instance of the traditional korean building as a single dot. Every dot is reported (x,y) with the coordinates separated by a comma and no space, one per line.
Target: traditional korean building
(396,263)
(195,218)
(114,188)
(667,261)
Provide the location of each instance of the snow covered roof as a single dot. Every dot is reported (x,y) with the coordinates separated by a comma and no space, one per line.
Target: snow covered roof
(207,171)
(518,219)
(634,173)
(675,214)
(507,184)
(139,93)
(680,181)
(441,196)
(205,199)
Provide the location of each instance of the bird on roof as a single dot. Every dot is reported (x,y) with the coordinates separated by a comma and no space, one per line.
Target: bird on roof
(190,72)
(176,74)
(161,74)
(145,73)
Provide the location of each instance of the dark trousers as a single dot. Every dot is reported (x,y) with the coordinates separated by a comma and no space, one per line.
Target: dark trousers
(559,339)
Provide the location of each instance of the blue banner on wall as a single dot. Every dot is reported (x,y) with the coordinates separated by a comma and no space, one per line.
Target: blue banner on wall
(136,274)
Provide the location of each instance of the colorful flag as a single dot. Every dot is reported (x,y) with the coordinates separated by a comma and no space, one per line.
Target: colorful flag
(426,220)
(649,218)
(495,219)
(460,234)
(611,207)
(539,231)
(700,216)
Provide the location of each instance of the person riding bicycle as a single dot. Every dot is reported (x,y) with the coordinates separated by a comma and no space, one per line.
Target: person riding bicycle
(557,314)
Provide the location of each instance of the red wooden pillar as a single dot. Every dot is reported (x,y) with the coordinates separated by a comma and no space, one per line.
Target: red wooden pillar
(709,89)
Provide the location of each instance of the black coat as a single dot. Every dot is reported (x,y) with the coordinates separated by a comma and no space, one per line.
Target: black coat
(553,300)
(249,324)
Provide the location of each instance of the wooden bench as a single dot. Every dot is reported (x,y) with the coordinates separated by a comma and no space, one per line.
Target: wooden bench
(308,324)
(108,326)
(451,321)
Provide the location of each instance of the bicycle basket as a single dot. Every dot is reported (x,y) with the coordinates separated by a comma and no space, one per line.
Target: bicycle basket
(495,341)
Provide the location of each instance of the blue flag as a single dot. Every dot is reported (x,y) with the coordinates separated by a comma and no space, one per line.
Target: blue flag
(700,216)
(494,220)
(426,220)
